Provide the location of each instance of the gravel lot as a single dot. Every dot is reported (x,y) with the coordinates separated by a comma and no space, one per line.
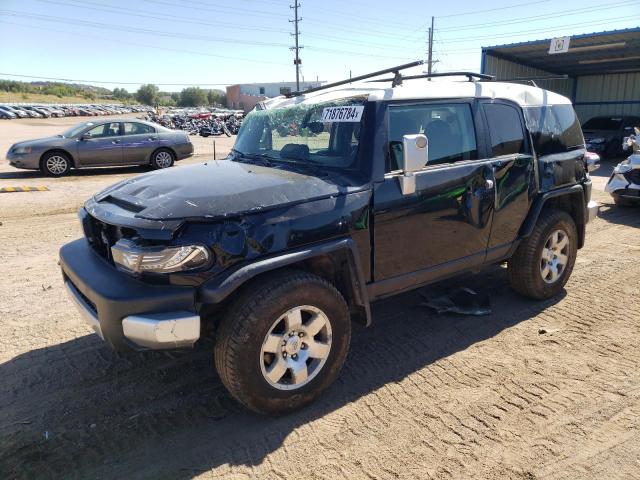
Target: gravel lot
(535,390)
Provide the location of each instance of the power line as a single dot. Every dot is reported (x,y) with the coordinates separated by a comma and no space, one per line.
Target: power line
(528,32)
(474,12)
(159,16)
(572,11)
(39,77)
(86,23)
(179,50)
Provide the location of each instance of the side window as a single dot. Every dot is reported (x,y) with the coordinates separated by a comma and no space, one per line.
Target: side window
(134,128)
(106,130)
(448,127)
(505,129)
(96,132)
(554,129)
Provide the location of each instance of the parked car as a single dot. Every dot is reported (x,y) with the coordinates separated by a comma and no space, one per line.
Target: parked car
(604,135)
(102,143)
(624,183)
(16,112)
(380,188)
(7,115)
(42,113)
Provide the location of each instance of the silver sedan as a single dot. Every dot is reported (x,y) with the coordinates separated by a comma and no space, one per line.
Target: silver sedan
(102,143)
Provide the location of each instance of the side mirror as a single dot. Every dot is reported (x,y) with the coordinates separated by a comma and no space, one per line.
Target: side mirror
(415,154)
(592,161)
(85,136)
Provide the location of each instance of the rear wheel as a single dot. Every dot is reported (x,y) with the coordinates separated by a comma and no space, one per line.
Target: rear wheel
(543,262)
(55,164)
(162,158)
(283,342)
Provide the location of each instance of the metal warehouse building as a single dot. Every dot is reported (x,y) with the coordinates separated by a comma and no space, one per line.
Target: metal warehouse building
(602,69)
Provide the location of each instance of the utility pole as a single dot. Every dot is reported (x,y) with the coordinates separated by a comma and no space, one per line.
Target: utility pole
(430,54)
(296,61)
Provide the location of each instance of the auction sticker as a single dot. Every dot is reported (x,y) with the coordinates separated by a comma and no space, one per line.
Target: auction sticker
(351,113)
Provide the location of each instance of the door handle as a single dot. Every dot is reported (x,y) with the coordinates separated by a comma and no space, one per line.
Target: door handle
(115,141)
(152,138)
(488,184)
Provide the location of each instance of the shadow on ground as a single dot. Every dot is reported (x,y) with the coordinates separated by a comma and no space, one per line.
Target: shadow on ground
(85,172)
(75,410)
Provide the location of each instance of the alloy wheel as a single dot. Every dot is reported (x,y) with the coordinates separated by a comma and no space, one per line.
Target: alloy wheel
(555,256)
(295,348)
(57,164)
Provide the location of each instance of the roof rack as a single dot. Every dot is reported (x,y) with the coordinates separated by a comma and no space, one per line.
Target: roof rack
(469,75)
(397,79)
(533,79)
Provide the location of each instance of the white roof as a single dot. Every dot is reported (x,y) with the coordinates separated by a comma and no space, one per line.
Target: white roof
(524,95)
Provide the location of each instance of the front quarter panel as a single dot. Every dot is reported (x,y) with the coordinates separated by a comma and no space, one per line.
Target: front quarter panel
(240,241)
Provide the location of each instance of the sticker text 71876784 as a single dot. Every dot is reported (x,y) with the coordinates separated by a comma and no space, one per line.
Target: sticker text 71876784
(342,114)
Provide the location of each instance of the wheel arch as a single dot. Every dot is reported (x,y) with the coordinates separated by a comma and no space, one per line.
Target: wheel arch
(336,262)
(59,150)
(569,199)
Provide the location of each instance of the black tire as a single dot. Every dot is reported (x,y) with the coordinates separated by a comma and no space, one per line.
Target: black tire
(226,130)
(621,201)
(525,266)
(55,164)
(240,336)
(162,158)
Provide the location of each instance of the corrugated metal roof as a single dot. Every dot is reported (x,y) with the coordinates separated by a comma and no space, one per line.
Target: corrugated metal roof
(590,53)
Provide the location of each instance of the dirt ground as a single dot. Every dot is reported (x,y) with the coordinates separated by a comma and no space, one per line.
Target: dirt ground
(534,390)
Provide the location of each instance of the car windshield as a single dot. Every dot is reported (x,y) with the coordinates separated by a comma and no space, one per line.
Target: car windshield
(73,131)
(603,123)
(321,134)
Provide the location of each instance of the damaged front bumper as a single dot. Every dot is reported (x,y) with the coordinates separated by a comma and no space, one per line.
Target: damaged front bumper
(124,311)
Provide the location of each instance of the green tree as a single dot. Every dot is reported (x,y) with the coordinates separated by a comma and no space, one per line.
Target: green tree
(148,94)
(216,97)
(193,97)
(121,94)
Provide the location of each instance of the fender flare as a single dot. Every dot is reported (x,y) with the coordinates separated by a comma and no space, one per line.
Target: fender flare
(536,209)
(217,290)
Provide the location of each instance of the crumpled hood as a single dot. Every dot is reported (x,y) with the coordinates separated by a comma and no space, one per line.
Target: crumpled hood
(214,190)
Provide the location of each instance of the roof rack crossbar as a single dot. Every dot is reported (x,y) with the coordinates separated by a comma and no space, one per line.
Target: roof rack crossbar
(533,79)
(397,79)
(469,75)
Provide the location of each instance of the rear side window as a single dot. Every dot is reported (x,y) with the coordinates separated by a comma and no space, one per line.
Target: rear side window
(505,129)
(449,129)
(135,128)
(554,129)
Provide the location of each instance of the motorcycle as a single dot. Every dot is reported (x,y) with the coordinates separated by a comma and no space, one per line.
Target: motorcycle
(624,184)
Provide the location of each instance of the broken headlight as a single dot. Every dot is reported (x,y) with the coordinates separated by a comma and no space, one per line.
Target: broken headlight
(135,259)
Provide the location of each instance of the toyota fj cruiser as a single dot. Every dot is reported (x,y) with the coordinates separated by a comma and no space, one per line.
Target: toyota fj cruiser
(331,199)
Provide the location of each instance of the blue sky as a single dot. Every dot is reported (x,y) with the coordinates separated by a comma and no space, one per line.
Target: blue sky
(208,42)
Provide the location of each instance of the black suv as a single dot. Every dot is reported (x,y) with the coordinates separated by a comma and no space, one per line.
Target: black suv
(330,200)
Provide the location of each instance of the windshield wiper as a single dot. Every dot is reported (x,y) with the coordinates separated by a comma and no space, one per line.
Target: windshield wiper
(263,158)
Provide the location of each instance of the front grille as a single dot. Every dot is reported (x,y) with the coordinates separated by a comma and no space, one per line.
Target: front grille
(101,236)
(633,176)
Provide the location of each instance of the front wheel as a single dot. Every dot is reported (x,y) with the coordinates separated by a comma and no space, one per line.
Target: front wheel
(55,164)
(283,341)
(544,260)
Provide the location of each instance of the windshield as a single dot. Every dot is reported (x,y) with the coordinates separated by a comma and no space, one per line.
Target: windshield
(73,131)
(603,123)
(322,134)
